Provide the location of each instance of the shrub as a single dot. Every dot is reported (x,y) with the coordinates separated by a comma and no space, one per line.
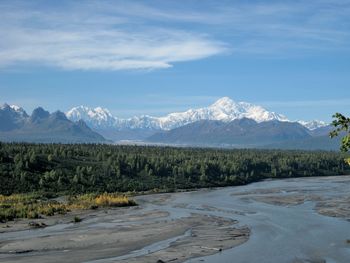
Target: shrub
(77,219)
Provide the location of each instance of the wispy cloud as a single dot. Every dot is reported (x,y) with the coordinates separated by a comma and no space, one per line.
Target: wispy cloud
(96,36)
(289,28)
(116,35)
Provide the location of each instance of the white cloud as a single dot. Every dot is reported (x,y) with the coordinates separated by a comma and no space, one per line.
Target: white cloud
(121,34)
(90,40)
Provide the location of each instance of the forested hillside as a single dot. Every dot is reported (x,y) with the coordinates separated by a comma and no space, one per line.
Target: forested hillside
(80,168)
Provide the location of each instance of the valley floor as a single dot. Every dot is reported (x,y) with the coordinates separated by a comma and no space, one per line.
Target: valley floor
(105,235)
(291,220)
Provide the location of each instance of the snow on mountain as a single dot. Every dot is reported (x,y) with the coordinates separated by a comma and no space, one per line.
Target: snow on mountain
(16,109)
(313,125)
(142,122)
(19,110)
(4,106)
(98,118)
(224,109)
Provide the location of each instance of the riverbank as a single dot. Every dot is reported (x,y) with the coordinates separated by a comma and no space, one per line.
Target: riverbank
(35,205)
(107,234)
(282,221)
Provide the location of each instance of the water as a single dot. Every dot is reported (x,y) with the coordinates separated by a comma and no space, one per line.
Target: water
(278,233)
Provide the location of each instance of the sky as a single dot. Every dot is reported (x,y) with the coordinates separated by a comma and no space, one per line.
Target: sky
(160,56)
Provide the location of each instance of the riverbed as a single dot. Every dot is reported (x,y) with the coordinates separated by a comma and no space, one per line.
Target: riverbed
(290,220)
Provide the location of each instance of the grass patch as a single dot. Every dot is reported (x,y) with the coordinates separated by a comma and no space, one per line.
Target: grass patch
(93,201)
(34,206)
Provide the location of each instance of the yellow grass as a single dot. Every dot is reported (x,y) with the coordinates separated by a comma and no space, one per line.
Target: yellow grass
(347,161)
(87,201)
(33,206)
(112,200)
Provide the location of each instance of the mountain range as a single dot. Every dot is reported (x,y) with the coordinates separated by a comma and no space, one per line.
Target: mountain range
(141,127)
(238,132)
(247,133)
(44,127)
(223,123)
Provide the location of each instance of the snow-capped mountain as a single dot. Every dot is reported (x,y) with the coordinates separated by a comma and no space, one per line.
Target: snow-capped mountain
(313,125)
(15,109)
(95,118)
(224,109)
(223,122)
(41,126)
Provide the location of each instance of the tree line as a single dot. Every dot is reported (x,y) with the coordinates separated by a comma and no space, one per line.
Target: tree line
(84,168)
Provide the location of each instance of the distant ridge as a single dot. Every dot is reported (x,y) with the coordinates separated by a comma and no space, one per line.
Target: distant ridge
(247,133)
(225,123)
(17,126)
(240,132)
(224,109)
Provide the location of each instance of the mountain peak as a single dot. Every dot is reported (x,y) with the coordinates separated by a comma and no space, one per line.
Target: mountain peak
(16,108)
(223,102)
(5,106)
(102,110)
(19,110)
(38,114)
(314,124)
(59,115)
(95,117)
(224,109)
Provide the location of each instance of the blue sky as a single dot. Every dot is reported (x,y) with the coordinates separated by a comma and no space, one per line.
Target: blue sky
(156,57)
